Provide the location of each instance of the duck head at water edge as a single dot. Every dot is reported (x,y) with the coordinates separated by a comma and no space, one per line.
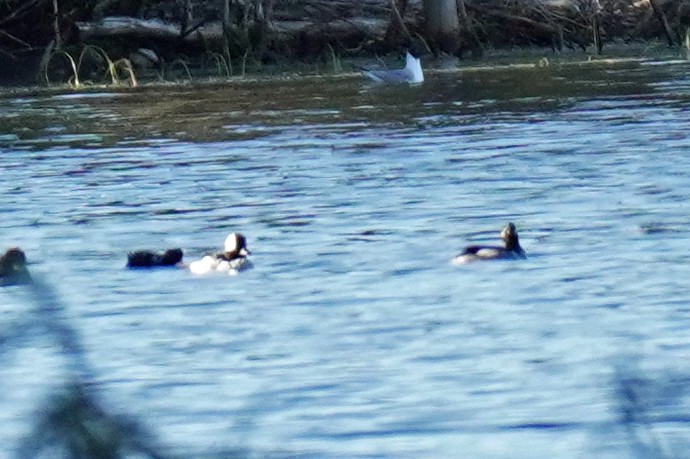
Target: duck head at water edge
(511,249)
(150,259)
(231,260)
(13,269)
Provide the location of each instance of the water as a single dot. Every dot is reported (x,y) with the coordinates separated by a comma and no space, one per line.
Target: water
(353,335)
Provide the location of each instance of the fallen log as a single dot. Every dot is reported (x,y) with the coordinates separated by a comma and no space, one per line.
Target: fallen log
(312,26)
(303,38)
(128,27)
(155,29)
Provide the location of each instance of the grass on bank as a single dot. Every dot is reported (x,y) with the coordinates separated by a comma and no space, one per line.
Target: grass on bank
(92,67)
(89,55)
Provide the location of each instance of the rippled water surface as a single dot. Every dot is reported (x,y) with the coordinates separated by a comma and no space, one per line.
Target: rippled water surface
(353,335)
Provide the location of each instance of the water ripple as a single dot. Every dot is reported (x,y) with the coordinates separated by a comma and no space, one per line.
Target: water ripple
(353,335)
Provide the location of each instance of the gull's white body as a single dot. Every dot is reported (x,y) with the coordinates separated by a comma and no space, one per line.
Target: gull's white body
(412,73)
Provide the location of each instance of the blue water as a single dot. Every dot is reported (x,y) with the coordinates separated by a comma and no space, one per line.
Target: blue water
(353,335)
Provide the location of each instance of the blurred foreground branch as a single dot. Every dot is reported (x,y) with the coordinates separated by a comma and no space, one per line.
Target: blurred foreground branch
(74,423)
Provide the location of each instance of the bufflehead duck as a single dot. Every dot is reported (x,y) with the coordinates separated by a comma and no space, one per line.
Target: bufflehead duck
(411,73)
(13,268)
(511,251)
(149,259)
(231,260)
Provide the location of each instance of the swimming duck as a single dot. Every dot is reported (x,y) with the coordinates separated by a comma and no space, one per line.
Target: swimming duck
(13,268)
(511,251)
(149,259)
(411,73)
(231,260)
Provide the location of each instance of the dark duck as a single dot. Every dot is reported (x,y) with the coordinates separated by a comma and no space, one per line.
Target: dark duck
(13,268)
(510,251)
(149,259)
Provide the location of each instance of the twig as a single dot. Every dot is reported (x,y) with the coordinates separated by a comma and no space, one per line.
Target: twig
(399,21)
(20,10)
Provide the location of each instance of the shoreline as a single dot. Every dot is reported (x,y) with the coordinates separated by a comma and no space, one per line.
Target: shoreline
(348,67)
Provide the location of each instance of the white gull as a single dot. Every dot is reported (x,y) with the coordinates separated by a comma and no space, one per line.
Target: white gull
(412,73)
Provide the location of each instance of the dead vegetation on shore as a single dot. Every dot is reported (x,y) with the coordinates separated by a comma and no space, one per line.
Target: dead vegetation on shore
(232,33)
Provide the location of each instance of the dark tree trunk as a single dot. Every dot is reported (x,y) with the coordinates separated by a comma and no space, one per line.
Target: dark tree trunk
(668,31)
(442,24)
(475,44)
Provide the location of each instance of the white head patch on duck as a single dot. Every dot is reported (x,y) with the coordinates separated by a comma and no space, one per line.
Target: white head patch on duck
(231,260)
